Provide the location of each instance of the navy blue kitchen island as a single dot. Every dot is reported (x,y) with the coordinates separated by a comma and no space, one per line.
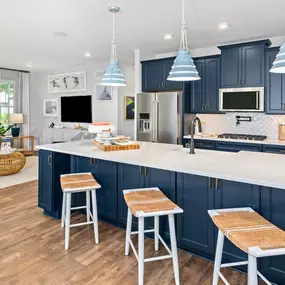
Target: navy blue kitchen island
(198,184)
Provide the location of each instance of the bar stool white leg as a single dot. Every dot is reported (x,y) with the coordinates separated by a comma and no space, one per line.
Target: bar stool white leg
(174,248)
(63,209)
(95,216)
(218,258)
(156,232)
(67,220)
(252,271)
(128,232)
(141,251)
(88,206)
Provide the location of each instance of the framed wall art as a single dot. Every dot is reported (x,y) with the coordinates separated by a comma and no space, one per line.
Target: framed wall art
(50,107)
(129,107)
(67,82)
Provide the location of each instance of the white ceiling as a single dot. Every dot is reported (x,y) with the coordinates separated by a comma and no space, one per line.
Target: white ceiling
(26,28)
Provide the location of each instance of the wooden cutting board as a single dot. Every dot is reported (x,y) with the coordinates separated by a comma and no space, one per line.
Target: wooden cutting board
(116,147)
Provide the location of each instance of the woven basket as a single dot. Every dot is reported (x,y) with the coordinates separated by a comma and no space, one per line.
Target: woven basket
(11,163)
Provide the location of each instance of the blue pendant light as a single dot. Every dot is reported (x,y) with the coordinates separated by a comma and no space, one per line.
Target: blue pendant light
(183,68)
(113,75)
(279,63)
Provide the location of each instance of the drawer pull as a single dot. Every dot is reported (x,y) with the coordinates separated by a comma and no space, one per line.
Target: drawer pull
(282,150)
(145,171)
(49,159)
(210,182)
(217,184)
(140,170)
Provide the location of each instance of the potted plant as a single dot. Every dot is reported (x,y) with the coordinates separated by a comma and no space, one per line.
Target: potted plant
(3,131)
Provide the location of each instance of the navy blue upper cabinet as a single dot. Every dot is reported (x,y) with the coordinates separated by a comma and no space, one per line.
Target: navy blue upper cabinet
(195,230)
(154,76)
(243,65)
(275,86)
(204,93)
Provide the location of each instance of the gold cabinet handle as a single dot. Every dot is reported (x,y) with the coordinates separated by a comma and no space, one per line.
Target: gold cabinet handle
(282,150)
(90,161)
(49,159)
(145,171)
(94,162)
(140,170)
(217,184)
(210,182)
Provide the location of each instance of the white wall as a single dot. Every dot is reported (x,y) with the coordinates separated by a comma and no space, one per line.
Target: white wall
(102,111)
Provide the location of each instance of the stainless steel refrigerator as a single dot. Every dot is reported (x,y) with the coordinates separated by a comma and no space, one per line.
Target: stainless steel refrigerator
(159,117)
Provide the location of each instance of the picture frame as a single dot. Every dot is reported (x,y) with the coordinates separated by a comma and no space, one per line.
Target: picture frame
(129,107)
(103,93)
(67,82)
(50,107)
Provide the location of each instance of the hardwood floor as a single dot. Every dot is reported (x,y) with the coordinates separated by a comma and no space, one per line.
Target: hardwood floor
(32,251)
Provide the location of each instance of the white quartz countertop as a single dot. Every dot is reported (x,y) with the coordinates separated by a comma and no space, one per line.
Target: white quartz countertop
(263,169)
(213,137)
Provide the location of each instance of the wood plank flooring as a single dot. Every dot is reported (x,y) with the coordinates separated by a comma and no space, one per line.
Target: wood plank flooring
(32,251)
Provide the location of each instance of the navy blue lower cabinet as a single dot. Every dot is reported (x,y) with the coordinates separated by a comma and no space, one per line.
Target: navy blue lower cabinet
(272,208)
(51,166)
(129,177)
(195,230)
(81,164)
(274,149)
(166,182)
(236,147)
(106,173)
(230,194)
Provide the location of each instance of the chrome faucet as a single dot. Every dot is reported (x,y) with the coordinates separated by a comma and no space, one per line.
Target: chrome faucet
(193,124)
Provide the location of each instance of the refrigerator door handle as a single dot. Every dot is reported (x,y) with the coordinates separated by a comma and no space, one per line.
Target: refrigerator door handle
(155,122)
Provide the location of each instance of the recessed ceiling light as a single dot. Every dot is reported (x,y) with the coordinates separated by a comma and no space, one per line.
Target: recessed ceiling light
(60,34)
(223,25)
(168,37)
(29,65)
(87,54)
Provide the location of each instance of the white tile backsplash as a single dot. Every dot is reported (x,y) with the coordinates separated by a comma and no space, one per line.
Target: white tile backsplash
(261,124)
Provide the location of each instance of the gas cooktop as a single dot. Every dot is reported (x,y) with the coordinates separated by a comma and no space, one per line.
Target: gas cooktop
(242,137)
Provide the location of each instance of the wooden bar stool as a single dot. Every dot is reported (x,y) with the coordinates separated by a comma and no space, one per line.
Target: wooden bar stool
(251,233)
(74,183)
(151,202)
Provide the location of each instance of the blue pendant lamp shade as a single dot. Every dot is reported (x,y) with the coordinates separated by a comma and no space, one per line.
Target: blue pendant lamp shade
(183,68)
(279,63)
(113,75)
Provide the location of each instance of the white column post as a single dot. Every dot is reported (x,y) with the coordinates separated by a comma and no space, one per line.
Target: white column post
(137,89)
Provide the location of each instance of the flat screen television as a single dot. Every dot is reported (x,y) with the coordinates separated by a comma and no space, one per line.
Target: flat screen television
(76,109)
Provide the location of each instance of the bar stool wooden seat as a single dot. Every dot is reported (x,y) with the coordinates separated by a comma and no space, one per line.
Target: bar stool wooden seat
(151,202)
(74,183)
(251,233)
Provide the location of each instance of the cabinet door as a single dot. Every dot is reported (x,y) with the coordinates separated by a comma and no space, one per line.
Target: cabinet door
(275,86)
(231,67)
(82,164)
(129,177)
(236,147)
(231,194)
(253,65)
(272,209)
(107,196)
(170,85)
(152,76)
(195,230)
(197,89)
(166,182)
(212,85)
(45,198)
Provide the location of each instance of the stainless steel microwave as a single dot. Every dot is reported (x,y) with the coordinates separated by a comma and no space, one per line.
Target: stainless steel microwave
(241,99)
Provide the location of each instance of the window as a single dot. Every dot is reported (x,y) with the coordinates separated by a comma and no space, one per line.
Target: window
(6,100)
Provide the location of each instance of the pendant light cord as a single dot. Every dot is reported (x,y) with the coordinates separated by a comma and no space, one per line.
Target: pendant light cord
(114,49)
(183,43)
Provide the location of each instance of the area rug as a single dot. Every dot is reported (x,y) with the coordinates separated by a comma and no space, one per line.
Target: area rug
(28,173)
